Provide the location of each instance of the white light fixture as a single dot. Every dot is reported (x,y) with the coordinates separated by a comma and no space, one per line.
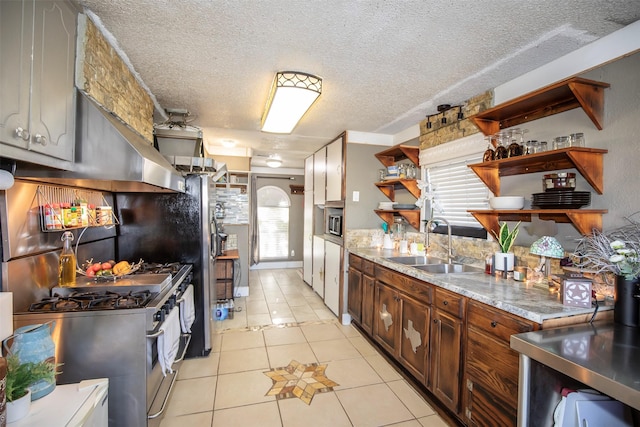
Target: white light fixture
(291,95)
(6,179)
(274,161)
(229,143)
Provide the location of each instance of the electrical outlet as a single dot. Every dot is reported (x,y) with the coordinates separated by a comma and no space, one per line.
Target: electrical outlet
(293,253)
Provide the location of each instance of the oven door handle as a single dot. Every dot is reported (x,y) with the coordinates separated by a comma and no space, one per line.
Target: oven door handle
(166,398)
(186,347)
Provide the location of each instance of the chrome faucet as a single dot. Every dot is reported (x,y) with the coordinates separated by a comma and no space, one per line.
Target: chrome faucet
(427,230)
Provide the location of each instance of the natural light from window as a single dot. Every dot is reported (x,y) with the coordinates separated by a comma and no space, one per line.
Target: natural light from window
(273,223)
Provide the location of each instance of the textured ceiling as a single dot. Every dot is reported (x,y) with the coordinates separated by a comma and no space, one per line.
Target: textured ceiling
(385,64)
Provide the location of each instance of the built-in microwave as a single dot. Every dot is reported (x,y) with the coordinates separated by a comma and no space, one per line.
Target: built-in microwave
(334,224)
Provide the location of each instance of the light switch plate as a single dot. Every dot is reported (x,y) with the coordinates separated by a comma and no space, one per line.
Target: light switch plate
(356,196)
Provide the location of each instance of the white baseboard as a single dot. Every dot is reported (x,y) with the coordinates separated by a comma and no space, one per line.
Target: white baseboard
(276,265)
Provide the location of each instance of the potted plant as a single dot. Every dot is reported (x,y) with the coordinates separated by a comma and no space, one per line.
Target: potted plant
(505,258)
(19,377)
(616,252)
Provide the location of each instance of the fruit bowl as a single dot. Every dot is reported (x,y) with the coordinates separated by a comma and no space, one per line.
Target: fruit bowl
(506,202)
(109,270)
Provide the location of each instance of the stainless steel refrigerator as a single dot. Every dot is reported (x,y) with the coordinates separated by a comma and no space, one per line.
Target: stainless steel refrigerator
(179,227)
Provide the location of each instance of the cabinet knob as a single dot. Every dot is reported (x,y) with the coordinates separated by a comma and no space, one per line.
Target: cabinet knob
(494,323)
(445,302)
(435,320)
(40,139)
(22,133)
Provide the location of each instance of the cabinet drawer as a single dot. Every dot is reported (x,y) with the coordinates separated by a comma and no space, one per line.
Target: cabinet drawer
(355,262)
(496,322)
(367,267)
(408,285)
(450,302)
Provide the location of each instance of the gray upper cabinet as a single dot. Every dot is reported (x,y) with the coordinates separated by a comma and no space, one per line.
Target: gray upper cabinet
(37,98)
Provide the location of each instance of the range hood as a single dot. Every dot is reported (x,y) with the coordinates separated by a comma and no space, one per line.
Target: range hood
(110,156)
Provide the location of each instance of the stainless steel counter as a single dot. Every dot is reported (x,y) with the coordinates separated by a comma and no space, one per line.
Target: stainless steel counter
(605,357)
(518,298)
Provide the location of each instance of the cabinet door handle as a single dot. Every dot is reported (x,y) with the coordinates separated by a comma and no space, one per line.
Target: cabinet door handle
(494,323)
(22,133)
(40,139)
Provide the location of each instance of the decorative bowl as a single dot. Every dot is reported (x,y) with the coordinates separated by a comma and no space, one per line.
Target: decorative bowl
(506,202)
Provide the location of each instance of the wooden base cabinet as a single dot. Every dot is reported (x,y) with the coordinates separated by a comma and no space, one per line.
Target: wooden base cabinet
(386,317)
(413,351)
(491,368)
(361,289)
(354,293)
(446,348)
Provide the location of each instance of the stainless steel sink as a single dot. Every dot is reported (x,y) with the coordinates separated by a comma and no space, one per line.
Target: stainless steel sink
(416,260)
(448,268)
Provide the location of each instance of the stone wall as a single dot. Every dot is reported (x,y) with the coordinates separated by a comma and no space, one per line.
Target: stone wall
(105,77)
(454,128)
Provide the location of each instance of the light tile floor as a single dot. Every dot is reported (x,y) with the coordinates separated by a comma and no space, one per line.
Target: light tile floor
(284,320)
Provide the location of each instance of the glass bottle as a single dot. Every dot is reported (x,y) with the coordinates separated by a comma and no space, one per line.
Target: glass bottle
(67,263)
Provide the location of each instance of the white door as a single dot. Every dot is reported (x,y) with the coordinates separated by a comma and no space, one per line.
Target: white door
(332,258)
(334,171)
(318,265)
(307,226)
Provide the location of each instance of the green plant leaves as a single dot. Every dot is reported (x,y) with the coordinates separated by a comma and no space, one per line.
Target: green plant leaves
(505,237)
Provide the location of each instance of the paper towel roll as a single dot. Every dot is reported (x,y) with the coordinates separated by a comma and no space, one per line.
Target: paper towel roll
(6,315)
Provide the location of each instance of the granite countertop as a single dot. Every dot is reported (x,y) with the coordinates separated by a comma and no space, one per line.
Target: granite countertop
(519,298)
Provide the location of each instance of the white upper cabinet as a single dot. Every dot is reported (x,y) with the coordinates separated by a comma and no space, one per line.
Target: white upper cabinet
(37,92)
(335,152)
(319,175)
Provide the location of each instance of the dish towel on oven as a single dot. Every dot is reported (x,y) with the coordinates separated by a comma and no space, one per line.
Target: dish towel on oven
(187,310)
(169,341)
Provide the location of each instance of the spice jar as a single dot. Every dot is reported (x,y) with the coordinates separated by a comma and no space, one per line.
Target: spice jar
(489,153)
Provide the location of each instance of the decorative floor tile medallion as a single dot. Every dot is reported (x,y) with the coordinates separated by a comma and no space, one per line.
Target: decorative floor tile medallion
(299,380)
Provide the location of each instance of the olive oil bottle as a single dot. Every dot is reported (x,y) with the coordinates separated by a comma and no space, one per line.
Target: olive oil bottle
(67,263)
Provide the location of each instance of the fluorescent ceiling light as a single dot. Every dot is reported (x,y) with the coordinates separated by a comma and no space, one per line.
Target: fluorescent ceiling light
(274,163)
(292,93)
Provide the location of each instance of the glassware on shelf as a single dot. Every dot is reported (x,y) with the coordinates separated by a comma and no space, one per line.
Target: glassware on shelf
(489,153)
(576,140)
(412,173)
(501,149)
(560,142)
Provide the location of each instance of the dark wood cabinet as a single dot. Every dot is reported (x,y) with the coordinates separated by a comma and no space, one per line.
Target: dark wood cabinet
(225,274)
(413,351)
(368,291)
(491,367)
(354,302)
(385,317)
(445,348)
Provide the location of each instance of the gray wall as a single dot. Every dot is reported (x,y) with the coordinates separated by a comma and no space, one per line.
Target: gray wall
(620,135)
(296,211)
(362,173)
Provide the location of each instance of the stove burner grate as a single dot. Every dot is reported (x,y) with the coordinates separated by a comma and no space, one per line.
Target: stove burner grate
(158,268)
(87,301)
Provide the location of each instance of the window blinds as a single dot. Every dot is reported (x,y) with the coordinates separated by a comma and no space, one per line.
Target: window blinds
(456,189)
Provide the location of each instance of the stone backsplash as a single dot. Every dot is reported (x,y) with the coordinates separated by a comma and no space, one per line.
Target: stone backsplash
(454,128)
(105,77)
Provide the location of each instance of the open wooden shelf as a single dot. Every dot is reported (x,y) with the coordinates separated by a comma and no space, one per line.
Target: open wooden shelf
(553,99)
(584,220)
(588,161)
(399,152)
(412,216)
(388,187)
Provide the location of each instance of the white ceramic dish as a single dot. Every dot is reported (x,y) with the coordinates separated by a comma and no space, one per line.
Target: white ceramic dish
(506,202)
